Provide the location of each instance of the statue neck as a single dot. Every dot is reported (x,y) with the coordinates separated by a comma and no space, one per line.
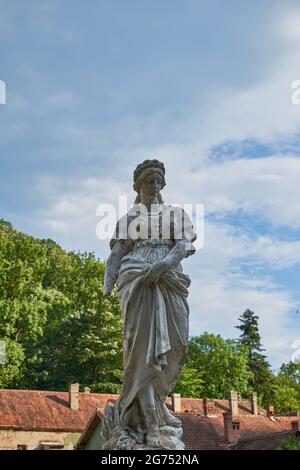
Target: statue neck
(148,202)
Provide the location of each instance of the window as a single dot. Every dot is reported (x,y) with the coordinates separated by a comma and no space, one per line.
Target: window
(51,445)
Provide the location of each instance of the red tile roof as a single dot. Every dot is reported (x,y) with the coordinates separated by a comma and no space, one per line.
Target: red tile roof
(50,411)
(271,441)
(47,411)
(195,406)
(201,433)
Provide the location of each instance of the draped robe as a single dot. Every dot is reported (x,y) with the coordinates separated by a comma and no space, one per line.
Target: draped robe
(155,318)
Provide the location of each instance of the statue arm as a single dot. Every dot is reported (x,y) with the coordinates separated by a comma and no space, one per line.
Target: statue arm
(184,235)
(113,263)
(175,255)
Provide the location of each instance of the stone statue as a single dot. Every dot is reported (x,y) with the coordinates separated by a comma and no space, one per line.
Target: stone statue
(147,247)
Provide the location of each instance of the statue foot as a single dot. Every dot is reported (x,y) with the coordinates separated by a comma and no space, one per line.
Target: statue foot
(153,440)
(170,419)
(152,437)
(173,421)
(125,442)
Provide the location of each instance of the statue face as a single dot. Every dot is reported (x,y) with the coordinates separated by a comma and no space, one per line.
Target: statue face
(151,185)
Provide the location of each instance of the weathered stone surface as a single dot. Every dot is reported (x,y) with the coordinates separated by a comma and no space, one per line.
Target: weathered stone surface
(153,290)
(11,439)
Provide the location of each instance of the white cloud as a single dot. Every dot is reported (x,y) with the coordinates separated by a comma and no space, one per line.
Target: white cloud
(221,291)
(264,187)
(71,217)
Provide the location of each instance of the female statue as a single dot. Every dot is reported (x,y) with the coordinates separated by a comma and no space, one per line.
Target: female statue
(153,290)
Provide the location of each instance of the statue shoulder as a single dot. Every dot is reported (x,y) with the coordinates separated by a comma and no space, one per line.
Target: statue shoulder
(121,231)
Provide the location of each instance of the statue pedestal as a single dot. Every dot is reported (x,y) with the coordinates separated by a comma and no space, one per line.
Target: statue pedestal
(170,439)
(167,436)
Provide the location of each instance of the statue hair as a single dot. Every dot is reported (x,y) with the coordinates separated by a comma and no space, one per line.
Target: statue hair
(140,169)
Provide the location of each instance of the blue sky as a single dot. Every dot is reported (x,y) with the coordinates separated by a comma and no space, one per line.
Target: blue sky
(205,86)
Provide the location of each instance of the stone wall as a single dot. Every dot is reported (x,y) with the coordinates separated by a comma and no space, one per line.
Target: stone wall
(10,440)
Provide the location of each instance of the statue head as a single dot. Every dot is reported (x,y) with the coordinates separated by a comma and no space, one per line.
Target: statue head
(149,177)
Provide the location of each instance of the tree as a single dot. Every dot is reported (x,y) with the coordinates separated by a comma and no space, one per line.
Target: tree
(287,391)
(83,333)
(289,375)
(250,336)
(262,379)
(189,383)
(14,357)
(285,399)
(54,320)
(220,364)
(292,443)
(86,345)
(22,300)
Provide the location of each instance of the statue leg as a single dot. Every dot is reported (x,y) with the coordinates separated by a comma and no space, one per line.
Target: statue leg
(147,403)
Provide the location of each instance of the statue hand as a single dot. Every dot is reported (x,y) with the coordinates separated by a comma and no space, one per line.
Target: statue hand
(108,286)
(154,273)
(109,282)
(106,292)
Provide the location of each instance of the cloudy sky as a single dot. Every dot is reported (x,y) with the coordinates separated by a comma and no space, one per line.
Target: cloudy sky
(93,88)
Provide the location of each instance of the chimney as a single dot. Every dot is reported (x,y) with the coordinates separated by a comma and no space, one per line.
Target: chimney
(208,407)
(254,407)
(232,428)
(86,389)
(295,426)
(270,411)
(233,403)
(176,402)
(74,396)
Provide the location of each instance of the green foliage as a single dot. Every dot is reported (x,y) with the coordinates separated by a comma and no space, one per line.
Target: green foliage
(221,365)
(286,399)
(289,374)
(262,379)
(189,383)
(287,391)
(292,443)
(10,371)
(250,336)
(55,323)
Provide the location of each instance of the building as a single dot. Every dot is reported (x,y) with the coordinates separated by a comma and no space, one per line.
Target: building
(33,419)
(216,425)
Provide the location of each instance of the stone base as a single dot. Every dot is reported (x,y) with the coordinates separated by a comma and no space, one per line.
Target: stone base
(170,439)
(167,437)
